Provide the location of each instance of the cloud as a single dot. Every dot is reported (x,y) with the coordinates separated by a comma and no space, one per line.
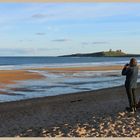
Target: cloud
(100,42)
(84,11)
(41,16)
(29,51)
(61,40)
(85,43)
(12,51)
(95,43)
(41,33)
(28,40)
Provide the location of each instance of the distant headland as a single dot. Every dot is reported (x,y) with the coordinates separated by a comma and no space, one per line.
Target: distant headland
(110,53)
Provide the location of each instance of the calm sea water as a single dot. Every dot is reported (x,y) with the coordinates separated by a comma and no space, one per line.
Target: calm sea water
(61,83)
(14,61)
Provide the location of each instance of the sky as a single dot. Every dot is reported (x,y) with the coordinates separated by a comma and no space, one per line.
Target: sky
(53,29)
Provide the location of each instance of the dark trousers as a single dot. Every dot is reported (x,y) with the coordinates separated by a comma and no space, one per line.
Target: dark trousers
(131,97)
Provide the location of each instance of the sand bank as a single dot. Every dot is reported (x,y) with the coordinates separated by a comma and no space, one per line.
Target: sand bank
(13,76)
(92,68)
(87,114)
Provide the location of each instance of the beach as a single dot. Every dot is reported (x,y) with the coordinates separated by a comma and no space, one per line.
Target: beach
(98,113)
(95,113)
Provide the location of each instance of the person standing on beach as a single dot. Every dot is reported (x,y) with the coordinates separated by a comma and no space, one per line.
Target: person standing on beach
(131,72)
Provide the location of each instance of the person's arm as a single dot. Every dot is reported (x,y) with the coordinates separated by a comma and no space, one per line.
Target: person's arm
(125,70)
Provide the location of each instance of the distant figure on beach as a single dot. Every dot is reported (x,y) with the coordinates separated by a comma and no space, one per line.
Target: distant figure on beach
(131,72)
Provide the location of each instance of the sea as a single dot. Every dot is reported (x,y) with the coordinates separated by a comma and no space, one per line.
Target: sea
(61,83)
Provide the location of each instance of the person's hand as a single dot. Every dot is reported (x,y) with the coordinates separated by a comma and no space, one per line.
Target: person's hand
(126,66)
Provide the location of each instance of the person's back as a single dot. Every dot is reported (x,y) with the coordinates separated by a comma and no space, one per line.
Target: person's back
(131,76)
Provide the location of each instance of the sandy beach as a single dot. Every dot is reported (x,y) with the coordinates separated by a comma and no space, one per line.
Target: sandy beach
(88,114)
(99,113)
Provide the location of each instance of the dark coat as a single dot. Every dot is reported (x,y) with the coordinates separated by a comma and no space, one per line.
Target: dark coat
(131,76)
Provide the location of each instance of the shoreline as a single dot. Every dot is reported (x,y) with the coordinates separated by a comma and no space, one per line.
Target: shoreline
(70,115)
(62,96)
(14,76)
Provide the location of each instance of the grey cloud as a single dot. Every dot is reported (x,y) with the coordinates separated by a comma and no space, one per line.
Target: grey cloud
(100,42)
(95,43)
(12,51)
(48,49)
(40,33)
(85,43)
(25,40)
(61,40)
(40,16)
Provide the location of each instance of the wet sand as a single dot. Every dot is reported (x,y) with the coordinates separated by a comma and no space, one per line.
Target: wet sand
(13,76)
(92,68)
(99,113)
(75,69)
